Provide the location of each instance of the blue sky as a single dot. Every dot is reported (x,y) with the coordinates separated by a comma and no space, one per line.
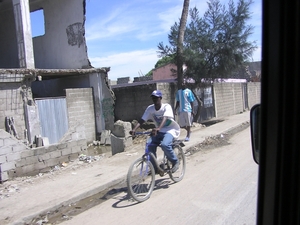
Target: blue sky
(124,35)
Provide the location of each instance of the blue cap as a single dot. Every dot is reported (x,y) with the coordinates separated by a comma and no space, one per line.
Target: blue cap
(157,93)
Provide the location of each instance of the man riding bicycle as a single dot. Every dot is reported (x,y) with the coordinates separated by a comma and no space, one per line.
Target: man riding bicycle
(166,128)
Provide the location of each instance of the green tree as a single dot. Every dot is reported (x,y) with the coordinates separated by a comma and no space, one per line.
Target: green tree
(164,61)
(216,45)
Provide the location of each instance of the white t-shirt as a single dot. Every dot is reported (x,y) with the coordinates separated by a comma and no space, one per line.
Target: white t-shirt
(157,116)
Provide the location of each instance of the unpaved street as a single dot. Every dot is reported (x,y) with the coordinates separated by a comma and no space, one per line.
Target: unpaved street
(220,187)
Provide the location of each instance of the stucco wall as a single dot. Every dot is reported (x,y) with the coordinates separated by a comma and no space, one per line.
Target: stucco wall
(63,45)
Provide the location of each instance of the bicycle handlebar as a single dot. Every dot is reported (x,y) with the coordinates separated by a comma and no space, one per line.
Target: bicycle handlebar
(144,132)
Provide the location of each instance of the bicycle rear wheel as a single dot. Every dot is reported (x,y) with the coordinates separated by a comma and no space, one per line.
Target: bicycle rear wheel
(140,180)
(179,174)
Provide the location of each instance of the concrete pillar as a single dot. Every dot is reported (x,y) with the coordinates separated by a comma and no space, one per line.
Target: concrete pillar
(24,35)
(120,137)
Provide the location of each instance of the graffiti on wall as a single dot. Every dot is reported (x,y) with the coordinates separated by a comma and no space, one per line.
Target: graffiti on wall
(208,100)
(75,34)
(107,108)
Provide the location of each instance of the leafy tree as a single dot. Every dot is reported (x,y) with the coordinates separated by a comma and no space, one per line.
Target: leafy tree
(164,61)
(216,45)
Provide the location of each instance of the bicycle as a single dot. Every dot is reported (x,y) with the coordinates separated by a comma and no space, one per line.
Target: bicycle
(141,173)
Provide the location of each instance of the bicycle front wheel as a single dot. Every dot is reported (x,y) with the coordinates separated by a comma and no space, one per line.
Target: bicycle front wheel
(179,174)
(140,179)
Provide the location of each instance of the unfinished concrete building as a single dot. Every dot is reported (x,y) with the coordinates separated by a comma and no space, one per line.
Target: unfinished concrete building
(48,87)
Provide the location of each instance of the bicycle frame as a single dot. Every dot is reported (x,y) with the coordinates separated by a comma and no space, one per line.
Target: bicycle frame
(148,155)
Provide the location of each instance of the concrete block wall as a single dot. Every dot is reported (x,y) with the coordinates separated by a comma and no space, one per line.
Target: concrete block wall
(16,159)
(228,99)
(131,101)
(11,105)
(80,106)
(254,93)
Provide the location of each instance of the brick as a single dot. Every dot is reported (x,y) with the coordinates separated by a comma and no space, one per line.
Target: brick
(64,159)
(55,154)
(66,151)
(27,169)
(27,153)
(44,157)
(9,142)
(4,176)
(19,148)
(40,151)
(8,166)
(62,146)
(39,166)
(6,150)
(51,162)
(72,144)
(21,163)
(2,159)
(31,160)
(75,149)
(51,148)
(13,157)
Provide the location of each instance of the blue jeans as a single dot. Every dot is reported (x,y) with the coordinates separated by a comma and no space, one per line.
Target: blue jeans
(165,140)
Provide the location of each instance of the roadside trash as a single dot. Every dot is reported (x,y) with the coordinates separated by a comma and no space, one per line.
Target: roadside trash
(88,159)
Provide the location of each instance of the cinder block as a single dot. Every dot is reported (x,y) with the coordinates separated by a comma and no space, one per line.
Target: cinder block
(32,160)
(27,153)
(62,146)
(13,157)
(55,154)
(21,163)
(10,142)
(66,151)
(51,162)
(8,166)
(117,144)
(2,159)
(39,166)
(51,148)
(40,151)
(121,129)
(75,149)
(64,159)
(1,143)
(4,176)
(19,147)
(6,150)
(44,157)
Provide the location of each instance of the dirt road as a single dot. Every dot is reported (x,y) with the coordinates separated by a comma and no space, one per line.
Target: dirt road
(220,187)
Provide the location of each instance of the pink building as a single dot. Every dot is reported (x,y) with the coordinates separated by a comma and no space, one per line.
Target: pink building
(164,72)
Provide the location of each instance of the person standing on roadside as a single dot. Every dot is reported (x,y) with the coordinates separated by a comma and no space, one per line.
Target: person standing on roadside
(184,100)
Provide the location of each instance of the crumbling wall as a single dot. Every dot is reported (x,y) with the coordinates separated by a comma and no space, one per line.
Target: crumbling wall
(63,45)
(16,159)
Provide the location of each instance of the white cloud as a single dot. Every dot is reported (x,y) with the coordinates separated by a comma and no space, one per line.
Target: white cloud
(127,64)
